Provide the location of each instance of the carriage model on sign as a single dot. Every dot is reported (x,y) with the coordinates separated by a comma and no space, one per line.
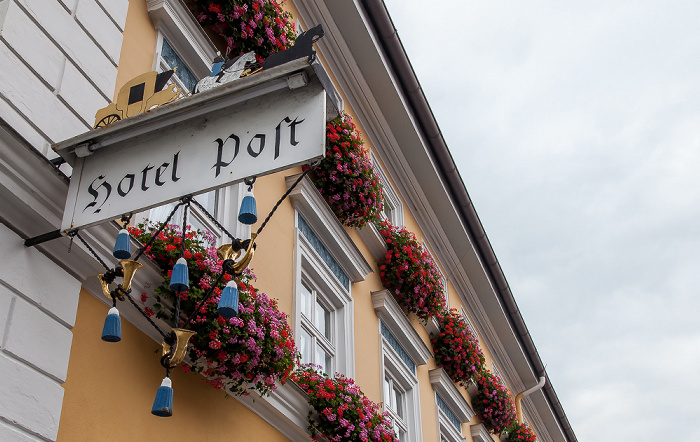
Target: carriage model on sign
(140,94)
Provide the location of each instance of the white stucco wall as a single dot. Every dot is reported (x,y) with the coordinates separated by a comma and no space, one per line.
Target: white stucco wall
(58,66)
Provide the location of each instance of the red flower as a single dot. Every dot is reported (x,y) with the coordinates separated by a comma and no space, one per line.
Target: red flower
(215,8)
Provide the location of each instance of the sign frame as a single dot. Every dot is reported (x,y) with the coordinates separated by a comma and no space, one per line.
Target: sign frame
(253,126)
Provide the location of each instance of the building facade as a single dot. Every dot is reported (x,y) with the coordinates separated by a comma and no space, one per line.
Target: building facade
(60,62)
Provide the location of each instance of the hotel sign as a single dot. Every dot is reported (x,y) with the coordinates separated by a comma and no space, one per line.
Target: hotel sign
(218,139)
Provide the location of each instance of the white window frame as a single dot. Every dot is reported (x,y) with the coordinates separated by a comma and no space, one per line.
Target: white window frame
(308,266)
(330,297)
(497,374)
(470,324)
(396,370)
(480,433)
(177,24)
(443,386)
(391,197)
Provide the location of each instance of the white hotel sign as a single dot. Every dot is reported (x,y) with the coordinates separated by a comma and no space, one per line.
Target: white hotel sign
(195,145)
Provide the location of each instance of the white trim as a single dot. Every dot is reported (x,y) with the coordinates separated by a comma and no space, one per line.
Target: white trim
(443,385)
(469,322)
(480,433)
(432,326)
(374,241)
(286,409)
(446,429)
(185,35)
(398,324)
(307,201)
(407,381)
(391,197)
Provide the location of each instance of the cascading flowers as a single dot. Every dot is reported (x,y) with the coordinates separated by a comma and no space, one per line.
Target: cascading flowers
(247,25)
(346,177)
(493,403)
(521,433)
(410,273)
(253,350)
(457,349)
(342,412)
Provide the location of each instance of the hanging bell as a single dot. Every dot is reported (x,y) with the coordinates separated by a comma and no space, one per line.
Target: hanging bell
(163,404)
(180,281)
(249,212)
(112,330)
(228,303)
(122,247)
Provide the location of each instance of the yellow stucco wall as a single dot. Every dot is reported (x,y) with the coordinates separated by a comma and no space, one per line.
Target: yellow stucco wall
(110,389)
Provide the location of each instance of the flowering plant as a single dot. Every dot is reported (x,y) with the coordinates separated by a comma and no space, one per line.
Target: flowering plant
(346,176)
(457,349)
(521,433)
(253,350)
(410,273)
(343,412)
(247,25)
(493,403)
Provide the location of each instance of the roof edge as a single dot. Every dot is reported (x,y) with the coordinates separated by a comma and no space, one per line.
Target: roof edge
(387,36)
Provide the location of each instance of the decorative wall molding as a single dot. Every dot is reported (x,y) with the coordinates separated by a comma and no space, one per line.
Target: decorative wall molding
(307,201)
(374,241)
(444,386)
(398,324)
(480,433)
(180,27)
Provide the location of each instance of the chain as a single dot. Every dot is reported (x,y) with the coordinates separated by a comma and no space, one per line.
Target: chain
(286,194)
(157,232)
(97,257)
(204,299)
(131,300)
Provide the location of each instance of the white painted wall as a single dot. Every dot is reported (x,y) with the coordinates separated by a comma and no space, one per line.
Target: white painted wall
(38,304)
(58,66)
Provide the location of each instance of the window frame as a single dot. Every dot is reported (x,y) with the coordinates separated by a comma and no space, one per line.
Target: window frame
(310,267)
(455,402)
(396,370)
(391,196)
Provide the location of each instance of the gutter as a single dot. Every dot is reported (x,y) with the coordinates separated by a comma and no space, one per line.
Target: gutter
(388,39)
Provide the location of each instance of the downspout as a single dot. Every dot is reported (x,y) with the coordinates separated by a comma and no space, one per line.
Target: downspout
(520,396)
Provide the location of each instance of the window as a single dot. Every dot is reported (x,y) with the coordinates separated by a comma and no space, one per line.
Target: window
(169,59)
(497,373)
(400,393)
(393,209)
(395,405)
(316,328)
(402,350)
(470,324)
(452,409)
(326,263)
(323,323)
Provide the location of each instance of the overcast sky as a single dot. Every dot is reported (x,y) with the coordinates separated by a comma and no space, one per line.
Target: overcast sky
(576,129)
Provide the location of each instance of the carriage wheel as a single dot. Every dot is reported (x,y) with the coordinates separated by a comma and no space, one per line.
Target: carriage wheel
(106,121)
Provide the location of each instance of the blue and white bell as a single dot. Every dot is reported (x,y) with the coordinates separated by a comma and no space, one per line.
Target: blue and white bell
(228,303)
(112,330)
(249,212)
(122,247)
(180,280)
(163,403)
